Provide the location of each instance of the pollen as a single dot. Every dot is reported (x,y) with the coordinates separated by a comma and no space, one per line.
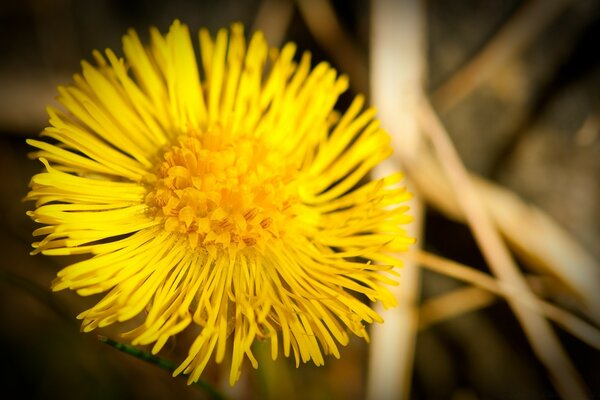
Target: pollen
(224,194)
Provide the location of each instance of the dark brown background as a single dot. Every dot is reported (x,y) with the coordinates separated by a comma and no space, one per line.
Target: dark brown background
(522,128)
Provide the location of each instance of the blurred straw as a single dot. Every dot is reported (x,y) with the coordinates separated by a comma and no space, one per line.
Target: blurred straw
(549,247)
(25,96)
(397,72)
(453,304)
(532,17)
(273,19)
(571,323)
(541,241)
(536,237)
(323,24)
(589,131)
(539,332)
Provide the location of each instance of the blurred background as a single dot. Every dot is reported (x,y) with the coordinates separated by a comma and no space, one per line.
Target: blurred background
(532,126)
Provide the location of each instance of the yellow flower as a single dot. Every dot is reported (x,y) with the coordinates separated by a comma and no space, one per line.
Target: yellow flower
(230,197)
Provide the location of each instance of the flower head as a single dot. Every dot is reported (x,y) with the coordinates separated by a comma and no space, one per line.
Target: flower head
(230,197)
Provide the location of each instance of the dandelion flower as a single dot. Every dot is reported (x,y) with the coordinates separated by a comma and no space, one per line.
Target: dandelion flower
(227,196)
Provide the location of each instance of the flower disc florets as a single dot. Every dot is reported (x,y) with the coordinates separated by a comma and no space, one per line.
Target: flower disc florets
(224,194)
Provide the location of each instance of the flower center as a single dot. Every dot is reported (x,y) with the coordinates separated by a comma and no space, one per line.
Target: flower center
(223,193)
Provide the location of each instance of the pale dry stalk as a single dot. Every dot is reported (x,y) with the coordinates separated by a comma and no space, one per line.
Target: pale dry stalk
(542,338)
(471,296)
(532,234)
(397,70)
(273,19)
(529,21)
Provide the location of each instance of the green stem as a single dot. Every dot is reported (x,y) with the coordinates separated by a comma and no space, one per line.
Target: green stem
(160,362)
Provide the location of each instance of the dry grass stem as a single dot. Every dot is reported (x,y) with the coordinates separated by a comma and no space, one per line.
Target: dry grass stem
(540,241)
(454,304)
(24,99)
(589,131)
(546,247)
(520,30)
(539,332)
(397,71)
(324,25)
(571,323)
(273,19)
